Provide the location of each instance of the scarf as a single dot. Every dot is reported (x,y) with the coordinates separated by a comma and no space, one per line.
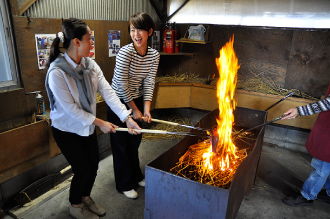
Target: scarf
(82,78)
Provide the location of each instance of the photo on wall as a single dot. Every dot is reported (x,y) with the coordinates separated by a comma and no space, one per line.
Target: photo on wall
(114,42)
(155,43)
(43,43)
(92,49)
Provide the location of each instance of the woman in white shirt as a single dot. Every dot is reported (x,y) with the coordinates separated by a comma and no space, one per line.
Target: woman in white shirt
(72,83)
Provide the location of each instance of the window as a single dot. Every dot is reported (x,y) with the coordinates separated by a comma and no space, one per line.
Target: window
(8,73)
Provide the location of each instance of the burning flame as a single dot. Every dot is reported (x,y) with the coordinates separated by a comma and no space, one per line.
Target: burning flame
(225,154)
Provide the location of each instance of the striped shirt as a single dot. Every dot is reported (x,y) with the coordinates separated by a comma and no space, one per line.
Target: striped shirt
(134,74)
(313,108)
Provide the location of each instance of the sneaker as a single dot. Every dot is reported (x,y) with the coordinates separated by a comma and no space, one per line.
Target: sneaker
(82,212)
(323,196)
(297,201)
(142,183)
(95,208)
(131,194)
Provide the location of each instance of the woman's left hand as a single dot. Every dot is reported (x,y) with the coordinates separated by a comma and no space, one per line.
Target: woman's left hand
(105,126)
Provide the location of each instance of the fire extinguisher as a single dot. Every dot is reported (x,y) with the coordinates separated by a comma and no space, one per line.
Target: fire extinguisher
(169,37)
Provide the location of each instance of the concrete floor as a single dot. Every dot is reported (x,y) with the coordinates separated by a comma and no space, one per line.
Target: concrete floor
(280,171)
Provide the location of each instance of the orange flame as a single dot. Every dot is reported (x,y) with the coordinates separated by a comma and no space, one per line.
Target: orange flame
(227,65)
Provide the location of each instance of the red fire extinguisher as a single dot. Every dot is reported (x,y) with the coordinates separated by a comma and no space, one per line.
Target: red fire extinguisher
(170,38)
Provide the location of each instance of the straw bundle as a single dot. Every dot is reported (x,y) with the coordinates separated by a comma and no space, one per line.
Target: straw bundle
(180,78)
(167,127)
(264,84)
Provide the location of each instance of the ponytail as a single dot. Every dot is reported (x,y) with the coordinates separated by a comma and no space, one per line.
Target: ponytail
(54,51)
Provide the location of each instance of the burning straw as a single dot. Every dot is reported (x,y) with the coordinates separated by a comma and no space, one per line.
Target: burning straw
(193,166)
(216,164)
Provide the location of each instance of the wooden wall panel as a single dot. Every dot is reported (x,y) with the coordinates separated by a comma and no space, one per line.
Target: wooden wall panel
(308,69)
(33,78)
(13,111)
(263,51)
(204,97)
(174,95)
(21,144)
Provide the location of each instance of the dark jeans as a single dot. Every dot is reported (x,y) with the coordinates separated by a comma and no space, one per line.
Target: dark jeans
(125,147)
(82,153)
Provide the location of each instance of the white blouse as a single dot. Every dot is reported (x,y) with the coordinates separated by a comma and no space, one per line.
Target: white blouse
(68,115)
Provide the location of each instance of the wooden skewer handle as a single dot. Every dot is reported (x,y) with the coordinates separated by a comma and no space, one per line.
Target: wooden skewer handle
(163,121)
(143,130)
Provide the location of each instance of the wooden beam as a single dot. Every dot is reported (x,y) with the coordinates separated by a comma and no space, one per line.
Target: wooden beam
(13,4)
(24,5)
(159,13)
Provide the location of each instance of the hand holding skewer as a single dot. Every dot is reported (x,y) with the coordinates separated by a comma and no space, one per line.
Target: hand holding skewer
(291,114)
(132,126)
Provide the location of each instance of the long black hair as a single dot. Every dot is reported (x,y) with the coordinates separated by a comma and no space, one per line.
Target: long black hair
(72,28)
(141,21)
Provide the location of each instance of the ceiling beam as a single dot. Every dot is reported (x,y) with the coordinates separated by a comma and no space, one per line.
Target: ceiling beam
(24,5)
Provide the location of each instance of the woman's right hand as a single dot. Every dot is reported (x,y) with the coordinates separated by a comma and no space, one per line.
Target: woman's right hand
(131,125)
(137,115)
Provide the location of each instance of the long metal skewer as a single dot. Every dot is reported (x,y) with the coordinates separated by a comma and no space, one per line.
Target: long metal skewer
(177,124)
(290,94)
(164,132)
(258,126)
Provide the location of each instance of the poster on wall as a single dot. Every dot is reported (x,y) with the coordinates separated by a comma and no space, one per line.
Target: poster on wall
(43,43)
(92,50)
(114,42)
(155,43)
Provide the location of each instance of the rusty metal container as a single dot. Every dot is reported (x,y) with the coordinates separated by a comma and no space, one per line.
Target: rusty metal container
(171,196)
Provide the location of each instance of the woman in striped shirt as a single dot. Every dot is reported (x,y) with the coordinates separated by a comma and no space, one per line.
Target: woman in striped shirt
(133,82)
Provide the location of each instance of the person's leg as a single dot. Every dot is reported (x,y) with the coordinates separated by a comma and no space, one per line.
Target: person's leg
(71,146)
(327,184)
(324,195)
(135,141)
(92,152)
(316,180)
(120,150)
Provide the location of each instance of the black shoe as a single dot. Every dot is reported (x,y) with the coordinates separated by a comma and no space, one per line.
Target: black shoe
(323,196)
(297,201)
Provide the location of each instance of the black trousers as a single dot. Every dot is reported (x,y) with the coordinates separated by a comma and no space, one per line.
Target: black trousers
(82,153)
(125,147)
